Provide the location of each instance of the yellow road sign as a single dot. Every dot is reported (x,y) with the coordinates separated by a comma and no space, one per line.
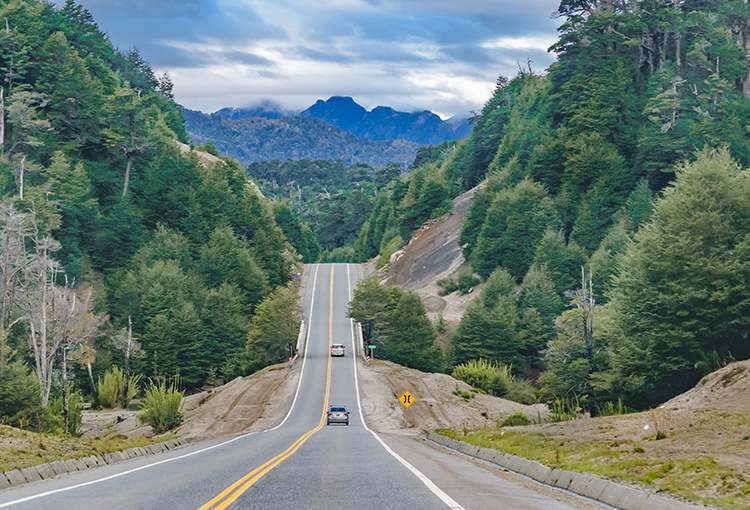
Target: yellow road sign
(407,399)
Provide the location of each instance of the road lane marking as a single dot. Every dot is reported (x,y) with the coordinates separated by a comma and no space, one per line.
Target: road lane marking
(445,498)
(234,491)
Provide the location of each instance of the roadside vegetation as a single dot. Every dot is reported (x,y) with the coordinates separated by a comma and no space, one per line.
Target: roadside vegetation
(696,477)
(23,448)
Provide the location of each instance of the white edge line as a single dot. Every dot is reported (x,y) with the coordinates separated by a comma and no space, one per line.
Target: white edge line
(450,502)
(304,356)
(117,475)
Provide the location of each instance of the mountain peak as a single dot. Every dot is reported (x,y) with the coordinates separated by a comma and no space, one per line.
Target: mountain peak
(385,123)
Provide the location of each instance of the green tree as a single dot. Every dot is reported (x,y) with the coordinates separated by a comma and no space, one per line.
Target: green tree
(412,339)
(274,330)
(683,283)
(515,223)
(368,305)
(563,261)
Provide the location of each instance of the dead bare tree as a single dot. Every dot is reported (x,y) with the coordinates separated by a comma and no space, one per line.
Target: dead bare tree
(130,348)
(2,120)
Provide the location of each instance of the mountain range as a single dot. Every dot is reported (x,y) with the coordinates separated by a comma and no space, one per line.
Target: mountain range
(381,123)
(251,139)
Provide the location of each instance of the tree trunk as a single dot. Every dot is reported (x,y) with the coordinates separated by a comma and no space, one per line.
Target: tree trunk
(127,362)
(2,121)
(94,391)
(127,174)
(66,404)
(23,167)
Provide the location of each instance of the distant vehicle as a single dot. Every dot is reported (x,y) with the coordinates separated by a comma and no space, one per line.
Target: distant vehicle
(337,350)
(337,414)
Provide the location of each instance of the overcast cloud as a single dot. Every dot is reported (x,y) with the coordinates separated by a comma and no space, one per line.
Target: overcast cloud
(439,55)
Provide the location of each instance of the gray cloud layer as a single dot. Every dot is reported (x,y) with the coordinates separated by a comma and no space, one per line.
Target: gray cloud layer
(441,55)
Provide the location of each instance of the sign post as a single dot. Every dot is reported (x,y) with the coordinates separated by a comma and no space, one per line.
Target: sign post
(372,349)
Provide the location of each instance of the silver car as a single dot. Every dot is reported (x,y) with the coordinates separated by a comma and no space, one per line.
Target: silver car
(337,350)
(337,414)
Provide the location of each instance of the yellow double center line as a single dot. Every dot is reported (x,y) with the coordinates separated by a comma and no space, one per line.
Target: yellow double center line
(235,490)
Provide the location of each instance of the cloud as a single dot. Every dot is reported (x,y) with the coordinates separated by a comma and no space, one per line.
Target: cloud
(440,55)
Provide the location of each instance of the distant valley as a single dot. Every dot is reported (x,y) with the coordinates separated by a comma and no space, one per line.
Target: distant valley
(338,128)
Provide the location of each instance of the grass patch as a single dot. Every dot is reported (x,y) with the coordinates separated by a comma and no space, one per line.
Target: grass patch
(701,480)
(21,448)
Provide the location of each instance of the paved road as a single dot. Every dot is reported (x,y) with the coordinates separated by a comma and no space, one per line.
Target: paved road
(302,464)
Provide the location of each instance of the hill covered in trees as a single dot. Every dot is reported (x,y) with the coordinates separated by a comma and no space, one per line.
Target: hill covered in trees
(614,196)
(116,249)
(255,139)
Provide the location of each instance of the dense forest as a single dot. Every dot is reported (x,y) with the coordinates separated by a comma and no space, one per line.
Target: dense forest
(613,224)
(118,249)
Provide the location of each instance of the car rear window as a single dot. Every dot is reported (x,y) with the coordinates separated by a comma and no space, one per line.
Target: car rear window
(338,346)
(338,409)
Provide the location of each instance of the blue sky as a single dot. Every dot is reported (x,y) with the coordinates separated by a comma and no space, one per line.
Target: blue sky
(413,55)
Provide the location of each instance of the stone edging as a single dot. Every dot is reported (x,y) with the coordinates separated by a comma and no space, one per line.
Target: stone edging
(594,487)
(23,476)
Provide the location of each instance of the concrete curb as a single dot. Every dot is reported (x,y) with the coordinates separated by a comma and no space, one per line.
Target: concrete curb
(589,486)
(39,472)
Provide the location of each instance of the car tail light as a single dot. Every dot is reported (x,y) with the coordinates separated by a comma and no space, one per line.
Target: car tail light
(330,414)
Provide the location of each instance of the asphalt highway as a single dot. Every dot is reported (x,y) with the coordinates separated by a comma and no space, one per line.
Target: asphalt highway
(302,463)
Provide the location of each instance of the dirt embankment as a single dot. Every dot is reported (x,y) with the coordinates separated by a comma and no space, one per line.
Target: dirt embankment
(711,420)
(248,404)
(433,253)
(439,402)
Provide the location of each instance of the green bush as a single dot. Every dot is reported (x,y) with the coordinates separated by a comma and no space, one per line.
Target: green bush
(466,280)
(391,248)
(440,323)
(523,392)
(20,399)
(476,373)
(112,388)
(516,419)
(447,285)
(162,407)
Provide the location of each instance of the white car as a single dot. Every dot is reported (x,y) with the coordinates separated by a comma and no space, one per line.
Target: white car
(337,350)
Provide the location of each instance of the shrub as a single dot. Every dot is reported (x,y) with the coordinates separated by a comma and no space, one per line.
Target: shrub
(447,285)
(503,381)
(516,419)
(477,373)
(522,391)
(162,407)
(466,280)
(385,255)
(111,388)
(441,324)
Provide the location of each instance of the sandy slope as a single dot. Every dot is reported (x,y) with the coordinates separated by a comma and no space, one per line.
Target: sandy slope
(433,253)
(256,402)
(436,406)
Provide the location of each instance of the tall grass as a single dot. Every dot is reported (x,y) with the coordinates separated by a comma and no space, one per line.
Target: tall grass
(612,409)
(565,409)
(478,373)
(111,388)
(162,407)
(496,379)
